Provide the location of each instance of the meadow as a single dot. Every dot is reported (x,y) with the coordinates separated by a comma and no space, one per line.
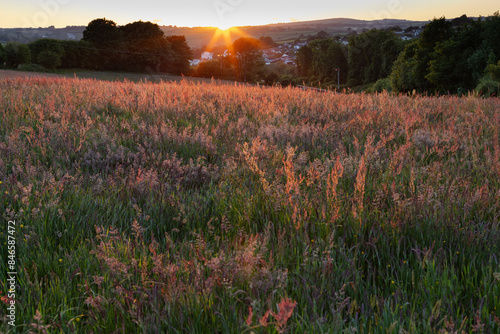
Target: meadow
(187,207)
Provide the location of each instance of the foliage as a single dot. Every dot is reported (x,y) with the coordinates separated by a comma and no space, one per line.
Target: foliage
(381,85)
(178,63)
(247,58)
(447,59)
(267,42)
(138,47)
(212,208)
(489,84)
(3,56)
(371,56)
(16,54)
(78,54)
(46,52)
(218,69)
(31,68)
(305,60)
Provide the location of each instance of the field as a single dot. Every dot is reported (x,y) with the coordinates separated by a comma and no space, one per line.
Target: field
(189,207)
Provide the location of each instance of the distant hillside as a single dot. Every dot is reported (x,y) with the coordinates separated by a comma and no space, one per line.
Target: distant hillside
(198,37)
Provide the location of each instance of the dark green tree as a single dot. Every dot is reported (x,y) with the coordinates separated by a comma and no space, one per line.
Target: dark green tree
(371,56)
(248,58)
(178,63)
(78,54)
(305,60)
(102,33)
(435,32)
(46,52)
(402,76)
(267,42)
(49,59)
(3,56)
(106,38)
(144,46)
(17,54)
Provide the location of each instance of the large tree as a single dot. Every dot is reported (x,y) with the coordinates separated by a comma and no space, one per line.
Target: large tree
(144,46)
(371,56)
(248,58)
(17,54)
(106,38)
(178,63)
(47,52)
(3,56)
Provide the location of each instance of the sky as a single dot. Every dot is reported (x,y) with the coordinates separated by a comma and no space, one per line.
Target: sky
(227,13)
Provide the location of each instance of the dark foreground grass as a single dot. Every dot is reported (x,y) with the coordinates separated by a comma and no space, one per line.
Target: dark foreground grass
(204,208)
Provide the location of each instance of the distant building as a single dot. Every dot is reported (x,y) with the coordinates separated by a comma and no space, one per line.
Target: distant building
(194,62)
(205,56)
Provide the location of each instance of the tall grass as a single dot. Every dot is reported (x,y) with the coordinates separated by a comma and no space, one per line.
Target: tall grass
(210,208)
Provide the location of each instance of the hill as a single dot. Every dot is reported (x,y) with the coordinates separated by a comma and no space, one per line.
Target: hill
(198,37)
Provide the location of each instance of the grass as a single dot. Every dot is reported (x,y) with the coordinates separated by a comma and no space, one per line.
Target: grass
(193,207)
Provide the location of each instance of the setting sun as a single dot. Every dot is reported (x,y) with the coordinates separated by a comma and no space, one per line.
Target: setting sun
(223,27)
(225,36)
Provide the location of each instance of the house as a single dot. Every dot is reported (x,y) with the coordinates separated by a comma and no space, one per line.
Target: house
(205,56)
(194,62)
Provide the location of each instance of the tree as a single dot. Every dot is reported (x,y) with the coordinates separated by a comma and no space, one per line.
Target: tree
(215,69)
(371,56)
(143,46)
(46,52)
(403,71)
(78,54)
(102,32)
(267,42)
(17,54)
(3,56)
(305,60)
(248,58)
(49,59)
(105,36)
(182,54)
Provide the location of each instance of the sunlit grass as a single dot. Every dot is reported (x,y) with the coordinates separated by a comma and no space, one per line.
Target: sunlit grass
(203,208)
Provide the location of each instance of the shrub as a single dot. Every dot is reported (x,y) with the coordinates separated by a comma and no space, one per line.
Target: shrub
(381,85)
(17,54)
(488,87)
(49,59)
(31,68)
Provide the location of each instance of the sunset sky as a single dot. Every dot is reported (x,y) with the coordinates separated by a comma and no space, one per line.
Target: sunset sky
(225,13)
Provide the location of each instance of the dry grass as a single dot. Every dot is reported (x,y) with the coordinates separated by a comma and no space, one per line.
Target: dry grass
(206,207)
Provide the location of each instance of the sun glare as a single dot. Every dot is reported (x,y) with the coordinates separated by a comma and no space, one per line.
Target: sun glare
(223,27)
(225,35)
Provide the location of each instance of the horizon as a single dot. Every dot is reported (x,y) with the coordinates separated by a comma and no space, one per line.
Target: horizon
(228,13)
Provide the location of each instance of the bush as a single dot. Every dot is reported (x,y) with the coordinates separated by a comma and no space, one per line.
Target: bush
(17,54)
(31,68)
(287,80)
(3,56)
(488,87)
(214,69)
(381,85)
(271,78)
(49,59)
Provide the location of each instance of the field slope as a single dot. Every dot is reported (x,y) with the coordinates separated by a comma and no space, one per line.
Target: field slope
(212,208)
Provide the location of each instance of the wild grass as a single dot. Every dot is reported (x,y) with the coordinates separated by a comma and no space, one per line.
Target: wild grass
(209,208)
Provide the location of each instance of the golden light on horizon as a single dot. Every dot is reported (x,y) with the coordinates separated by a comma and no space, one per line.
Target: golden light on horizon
(225,34)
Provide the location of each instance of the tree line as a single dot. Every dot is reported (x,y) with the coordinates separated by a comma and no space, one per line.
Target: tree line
(135,47)
(450,56)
